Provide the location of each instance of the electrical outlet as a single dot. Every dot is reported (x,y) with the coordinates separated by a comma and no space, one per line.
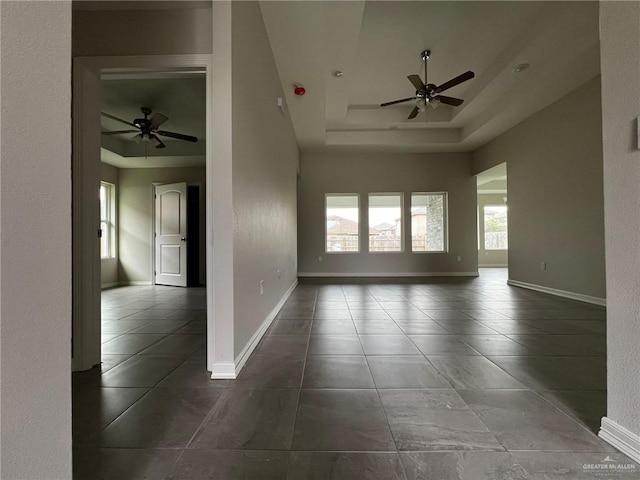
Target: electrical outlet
(279,272)
(261,287)
(320,258)
(543,266)
(459,258)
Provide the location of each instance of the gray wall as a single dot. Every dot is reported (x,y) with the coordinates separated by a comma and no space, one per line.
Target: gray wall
(141,32)
(364,173)
(556,212)
(265,159)
(109,266)
(490,258)
(135,211)
(35,245)
(620,64)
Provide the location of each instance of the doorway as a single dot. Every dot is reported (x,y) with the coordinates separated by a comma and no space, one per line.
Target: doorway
(88,156)
(493,225)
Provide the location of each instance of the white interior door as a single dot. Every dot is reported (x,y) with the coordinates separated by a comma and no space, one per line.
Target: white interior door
(171,234)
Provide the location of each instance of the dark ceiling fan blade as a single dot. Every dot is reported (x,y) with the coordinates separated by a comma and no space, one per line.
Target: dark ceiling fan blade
(118,132)
(117,119)
(157,141)
(179,136)
(455,81)
(456,102)
(158,119)
(416,81)
(414,113)
(397,101)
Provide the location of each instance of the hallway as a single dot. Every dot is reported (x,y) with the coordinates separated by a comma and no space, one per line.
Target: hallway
(451,379)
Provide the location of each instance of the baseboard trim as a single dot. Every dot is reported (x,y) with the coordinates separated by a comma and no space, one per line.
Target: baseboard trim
(232,370)
(104,286)
(223,371)
(386,274)
(559,293)
(621,438)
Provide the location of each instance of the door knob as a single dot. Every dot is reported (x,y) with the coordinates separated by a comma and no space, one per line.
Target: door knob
(184,239)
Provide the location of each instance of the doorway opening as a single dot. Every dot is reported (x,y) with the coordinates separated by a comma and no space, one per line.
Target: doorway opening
(128,161)
(493,225)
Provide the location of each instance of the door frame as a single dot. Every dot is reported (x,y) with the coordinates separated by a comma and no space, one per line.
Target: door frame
(85,171)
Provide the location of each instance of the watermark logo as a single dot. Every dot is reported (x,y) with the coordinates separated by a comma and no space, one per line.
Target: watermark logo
(609,466)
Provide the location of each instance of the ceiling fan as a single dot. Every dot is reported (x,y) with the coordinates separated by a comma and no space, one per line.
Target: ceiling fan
(428,93)
(147,128)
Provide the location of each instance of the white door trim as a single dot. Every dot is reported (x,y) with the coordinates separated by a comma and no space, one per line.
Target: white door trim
(85,172)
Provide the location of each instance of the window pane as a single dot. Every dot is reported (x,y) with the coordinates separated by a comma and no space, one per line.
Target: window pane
(385,223)
(104,202)
(495,227)
(428,227)
(343,217)
(104,240)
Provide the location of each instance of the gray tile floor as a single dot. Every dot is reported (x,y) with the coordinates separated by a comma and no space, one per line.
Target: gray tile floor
(464,379)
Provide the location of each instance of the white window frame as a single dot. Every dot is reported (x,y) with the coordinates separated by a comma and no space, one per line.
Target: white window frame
(109,219)
(402,235)
(445,219)
(326,198)
(484,228)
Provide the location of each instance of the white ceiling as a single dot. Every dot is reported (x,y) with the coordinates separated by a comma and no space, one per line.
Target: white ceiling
(377,44)
(178,95)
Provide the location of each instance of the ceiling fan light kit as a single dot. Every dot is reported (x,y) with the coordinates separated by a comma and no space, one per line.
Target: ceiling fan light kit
(428,93)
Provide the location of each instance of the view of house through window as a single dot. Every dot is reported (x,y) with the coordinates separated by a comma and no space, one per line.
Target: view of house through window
(385,222)
(343,215)
(107,225)
(428,222)
(495,227)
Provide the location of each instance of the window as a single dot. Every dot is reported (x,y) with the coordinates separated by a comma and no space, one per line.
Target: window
(428,222)
(343,222)
(107,220)
(385,222)
(495,227)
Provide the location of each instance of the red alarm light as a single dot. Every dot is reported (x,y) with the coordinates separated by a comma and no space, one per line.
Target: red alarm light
(299,90)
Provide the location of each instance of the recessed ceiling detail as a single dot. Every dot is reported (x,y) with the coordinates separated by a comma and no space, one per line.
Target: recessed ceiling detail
(374,41)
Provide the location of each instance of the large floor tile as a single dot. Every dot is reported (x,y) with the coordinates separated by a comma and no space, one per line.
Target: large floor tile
(176,344)
(442,345)
(290,327)
(130,343)
(120,464)
(466,465)
(192,374)
(388,345)
(473,372)
(577,466)
(564,345)
(341,420)
(344,466)
(294,346)
(329,327)
(96,407)
(335,345)
(587,408)
(420,327)
(223,465)
(140,371)
(435,420)
(495,345)
(556,373)
(522,420)
(337,371)
(377,327)
(404,372)
(249,420)
(267,371)
(163,418)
